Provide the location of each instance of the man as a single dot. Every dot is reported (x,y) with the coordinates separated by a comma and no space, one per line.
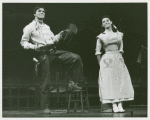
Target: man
(38,36)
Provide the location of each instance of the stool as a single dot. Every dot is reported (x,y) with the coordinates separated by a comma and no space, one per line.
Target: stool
(75,92)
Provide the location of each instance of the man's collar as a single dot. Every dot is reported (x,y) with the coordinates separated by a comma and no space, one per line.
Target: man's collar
(37,22)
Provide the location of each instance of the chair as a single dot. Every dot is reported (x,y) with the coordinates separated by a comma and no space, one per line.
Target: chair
(80,92)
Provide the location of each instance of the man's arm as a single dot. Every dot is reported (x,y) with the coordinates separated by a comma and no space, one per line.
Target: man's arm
(55,38)
(26,37)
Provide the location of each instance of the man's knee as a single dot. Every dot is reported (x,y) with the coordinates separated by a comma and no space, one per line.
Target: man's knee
(70,58)
(76,58)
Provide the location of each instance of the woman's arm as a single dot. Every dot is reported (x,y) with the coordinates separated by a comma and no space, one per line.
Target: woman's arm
(121,45)
(98,49)
(99,58)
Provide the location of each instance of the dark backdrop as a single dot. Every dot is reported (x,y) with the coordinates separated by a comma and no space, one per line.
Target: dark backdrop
(130,18)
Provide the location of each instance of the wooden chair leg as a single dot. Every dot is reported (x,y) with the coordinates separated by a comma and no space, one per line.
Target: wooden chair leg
(87,103)
(75,103)
(82,102)
(69,103)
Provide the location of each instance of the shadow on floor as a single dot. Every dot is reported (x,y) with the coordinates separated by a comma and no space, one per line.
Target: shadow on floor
(137,112)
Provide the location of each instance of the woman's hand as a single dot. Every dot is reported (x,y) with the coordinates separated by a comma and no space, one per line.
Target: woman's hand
(99,59)
(121,53)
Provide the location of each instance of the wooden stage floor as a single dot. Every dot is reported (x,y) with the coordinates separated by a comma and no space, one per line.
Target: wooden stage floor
(137,112)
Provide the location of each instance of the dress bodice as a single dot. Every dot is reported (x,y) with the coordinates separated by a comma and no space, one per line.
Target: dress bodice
(109,42)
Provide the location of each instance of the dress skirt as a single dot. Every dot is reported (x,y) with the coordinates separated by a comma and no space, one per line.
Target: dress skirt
(114,80)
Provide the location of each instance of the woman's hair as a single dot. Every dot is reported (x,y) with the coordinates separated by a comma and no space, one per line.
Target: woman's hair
(114,28)
(38,7)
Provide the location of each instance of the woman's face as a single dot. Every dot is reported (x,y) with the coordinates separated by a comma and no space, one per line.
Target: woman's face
(106,22)
(40,13)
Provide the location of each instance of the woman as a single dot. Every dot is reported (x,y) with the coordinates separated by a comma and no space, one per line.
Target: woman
(114,80)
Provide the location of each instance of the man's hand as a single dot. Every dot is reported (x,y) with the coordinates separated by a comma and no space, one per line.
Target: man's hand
(40,47)
(60,36)
(50,44)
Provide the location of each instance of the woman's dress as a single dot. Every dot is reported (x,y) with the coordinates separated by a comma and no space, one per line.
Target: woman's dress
(114,80)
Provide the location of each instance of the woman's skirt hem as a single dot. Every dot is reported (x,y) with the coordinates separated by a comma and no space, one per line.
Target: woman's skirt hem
(116,100)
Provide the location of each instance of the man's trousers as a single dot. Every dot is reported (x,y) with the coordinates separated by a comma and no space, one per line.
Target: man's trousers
(72,61)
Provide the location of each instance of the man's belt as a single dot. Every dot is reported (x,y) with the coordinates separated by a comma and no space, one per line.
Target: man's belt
(47,49)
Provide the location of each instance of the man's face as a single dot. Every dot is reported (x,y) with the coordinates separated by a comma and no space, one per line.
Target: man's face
(40,13)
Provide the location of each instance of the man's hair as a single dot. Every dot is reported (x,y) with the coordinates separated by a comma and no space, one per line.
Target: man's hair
(38,7)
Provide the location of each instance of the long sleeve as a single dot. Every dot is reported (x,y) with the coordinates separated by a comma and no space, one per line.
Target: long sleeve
(55,38)
(121,44)
(51,33)
(98,46)
(26,37)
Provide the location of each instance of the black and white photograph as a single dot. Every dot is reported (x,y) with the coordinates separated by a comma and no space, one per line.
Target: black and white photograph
(72,59)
